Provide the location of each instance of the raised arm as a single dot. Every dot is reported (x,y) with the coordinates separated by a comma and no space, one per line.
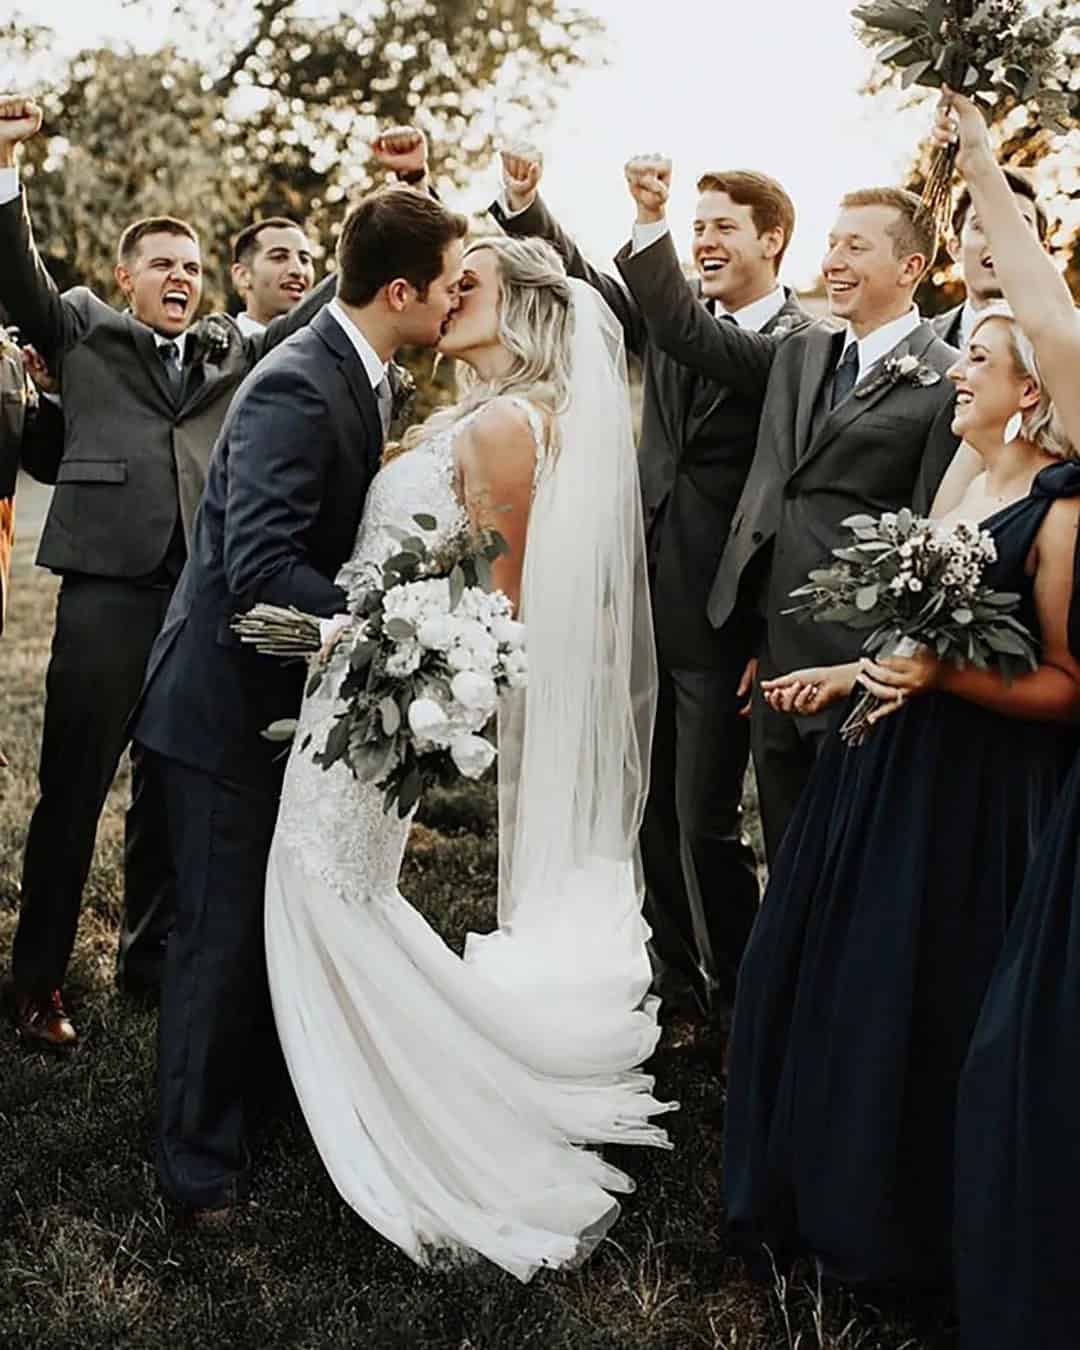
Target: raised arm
(1031,283)
(496,456)
(27,291)
(676,322)
(523,213)
(277,478)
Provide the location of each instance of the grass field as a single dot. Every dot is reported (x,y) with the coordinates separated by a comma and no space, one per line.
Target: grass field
(90,1258)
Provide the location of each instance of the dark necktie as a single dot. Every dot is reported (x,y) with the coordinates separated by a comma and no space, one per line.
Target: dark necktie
(845,375)
(385,399)
(170,359)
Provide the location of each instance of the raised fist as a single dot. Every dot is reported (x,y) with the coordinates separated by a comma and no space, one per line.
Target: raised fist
(958,121)
(649,179)
(522,169)
(402,150)
(20,118)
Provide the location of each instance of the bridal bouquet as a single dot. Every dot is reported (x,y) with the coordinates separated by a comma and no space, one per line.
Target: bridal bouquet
(996,49)
(910,581)
(429,650)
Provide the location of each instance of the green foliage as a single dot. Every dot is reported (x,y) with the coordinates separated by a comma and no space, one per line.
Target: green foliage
(261,109)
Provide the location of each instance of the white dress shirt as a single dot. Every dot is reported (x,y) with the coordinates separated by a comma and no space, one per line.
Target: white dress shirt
(247,325)
(882,340)
(968,315)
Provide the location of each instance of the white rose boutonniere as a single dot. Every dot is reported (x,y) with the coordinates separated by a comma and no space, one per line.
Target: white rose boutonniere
(900,366)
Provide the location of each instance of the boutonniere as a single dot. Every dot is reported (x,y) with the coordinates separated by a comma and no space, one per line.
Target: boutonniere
(402,391)
(9,342)
(785,324)
(900,366)
(213,338)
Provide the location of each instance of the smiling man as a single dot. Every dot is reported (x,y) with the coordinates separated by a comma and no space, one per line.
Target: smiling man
(272,270)
(968,246)
(144,393)
(855,417)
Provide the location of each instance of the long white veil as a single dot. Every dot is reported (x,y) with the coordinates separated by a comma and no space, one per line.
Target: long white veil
(574,745)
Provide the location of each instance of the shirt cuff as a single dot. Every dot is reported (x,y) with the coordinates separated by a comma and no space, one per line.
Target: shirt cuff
(9,185)
(330,628)
(645,235)
(53,398)
(508,211)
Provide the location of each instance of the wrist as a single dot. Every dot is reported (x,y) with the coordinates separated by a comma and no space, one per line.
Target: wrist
(9,157)
(415,178)
(647,216)
(520,201)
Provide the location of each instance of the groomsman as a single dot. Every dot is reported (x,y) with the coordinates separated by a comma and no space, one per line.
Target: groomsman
(144,393)
(273,268)
(697,440)
(847,425)
(968,246)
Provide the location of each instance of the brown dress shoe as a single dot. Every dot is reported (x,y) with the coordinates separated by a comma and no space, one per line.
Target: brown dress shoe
(44,1021)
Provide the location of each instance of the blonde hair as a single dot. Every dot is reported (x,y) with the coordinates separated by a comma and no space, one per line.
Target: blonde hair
(534,325)
(1041,424)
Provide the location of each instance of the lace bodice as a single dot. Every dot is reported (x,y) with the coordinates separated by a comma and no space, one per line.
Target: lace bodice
(338,821)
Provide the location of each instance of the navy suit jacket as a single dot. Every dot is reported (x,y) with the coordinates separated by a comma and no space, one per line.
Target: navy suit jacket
(283,500)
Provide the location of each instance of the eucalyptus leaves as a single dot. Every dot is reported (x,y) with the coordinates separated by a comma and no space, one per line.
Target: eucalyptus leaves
(907,581)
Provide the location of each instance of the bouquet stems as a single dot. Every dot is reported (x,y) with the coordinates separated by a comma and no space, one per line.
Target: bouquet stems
(857,725)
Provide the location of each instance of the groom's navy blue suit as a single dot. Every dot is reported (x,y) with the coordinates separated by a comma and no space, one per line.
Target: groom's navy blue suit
(279,515)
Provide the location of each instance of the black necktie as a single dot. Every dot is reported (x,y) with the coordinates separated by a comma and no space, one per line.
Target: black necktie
(845,375)
(170,359)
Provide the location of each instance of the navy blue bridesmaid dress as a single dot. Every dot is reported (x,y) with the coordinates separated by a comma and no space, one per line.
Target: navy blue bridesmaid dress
(1018,1119)
(883,920)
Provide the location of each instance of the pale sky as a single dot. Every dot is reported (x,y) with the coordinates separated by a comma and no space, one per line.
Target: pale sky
(771,85)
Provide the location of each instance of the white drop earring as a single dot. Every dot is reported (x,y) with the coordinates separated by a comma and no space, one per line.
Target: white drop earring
(1012,428)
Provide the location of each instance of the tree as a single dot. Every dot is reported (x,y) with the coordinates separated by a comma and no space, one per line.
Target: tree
(274,114)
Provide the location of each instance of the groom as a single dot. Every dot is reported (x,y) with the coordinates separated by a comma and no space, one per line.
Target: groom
(283,500)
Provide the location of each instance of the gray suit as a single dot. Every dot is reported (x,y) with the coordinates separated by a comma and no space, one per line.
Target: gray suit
(947,325)
(127,485)
(696,443)
(812,468)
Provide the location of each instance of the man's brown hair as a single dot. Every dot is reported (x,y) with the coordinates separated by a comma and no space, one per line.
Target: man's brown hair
(135,233)
(1021,186)
(913,230)
(393,233)
(246,242)
(770,206)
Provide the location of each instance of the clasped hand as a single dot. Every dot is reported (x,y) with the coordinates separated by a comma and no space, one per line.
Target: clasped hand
(892,679)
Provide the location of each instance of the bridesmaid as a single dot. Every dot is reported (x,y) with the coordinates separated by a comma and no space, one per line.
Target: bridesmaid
(1018,1126)
(889,900)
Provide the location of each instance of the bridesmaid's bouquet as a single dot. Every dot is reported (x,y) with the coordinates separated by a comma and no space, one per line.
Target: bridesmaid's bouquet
(910,581)
(1001,52)
(430,648)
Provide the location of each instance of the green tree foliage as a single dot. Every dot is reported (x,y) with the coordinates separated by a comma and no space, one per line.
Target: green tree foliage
(262,110)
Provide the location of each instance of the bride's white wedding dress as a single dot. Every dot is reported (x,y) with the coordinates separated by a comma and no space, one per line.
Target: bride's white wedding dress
(451,1099)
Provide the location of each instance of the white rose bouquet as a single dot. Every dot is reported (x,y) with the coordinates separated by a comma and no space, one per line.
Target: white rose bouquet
(428,653)
(911,581)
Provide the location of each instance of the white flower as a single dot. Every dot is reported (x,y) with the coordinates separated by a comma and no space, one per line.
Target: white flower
(516,666)
(460,658)
(897,585)
(426,718)
(907,365)
(914,584)
(436,632)
(475,692)
(404,660)
(472,755)
(508,632)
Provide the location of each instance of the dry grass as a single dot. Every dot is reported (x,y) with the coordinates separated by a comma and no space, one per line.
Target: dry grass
(89,1258)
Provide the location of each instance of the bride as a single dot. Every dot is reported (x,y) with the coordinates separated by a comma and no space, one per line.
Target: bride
(450,1098)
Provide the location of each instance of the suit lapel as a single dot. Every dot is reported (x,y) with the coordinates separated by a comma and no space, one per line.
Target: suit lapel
(821,356)
(145,345)
(356,377)
(856,405)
